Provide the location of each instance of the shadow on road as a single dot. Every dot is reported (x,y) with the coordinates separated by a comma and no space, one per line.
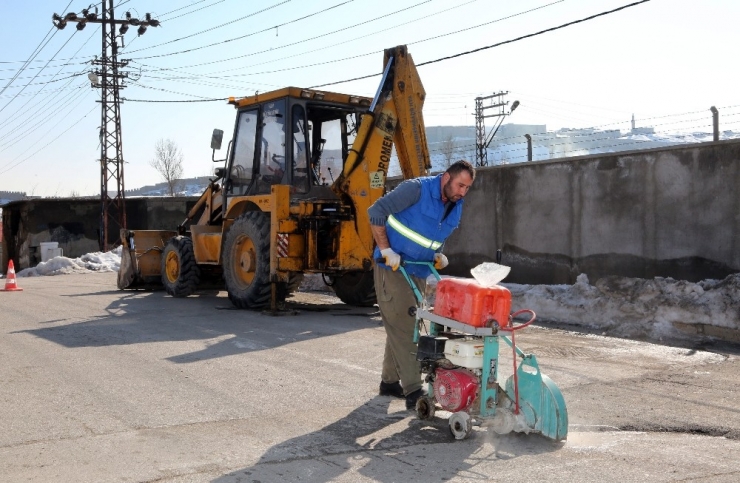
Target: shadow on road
(147,317)
(386,447)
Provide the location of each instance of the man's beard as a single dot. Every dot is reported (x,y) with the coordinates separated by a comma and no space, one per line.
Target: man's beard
(447,192)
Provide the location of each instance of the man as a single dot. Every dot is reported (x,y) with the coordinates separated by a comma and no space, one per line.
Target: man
(411,223)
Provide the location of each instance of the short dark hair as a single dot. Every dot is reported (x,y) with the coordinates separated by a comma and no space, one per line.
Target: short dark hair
(459,166)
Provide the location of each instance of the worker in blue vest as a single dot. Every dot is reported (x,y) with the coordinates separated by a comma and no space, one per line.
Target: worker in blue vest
(412,223)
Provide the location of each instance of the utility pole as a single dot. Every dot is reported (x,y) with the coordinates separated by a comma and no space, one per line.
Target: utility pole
(109,77)
(481,156)
(483,141)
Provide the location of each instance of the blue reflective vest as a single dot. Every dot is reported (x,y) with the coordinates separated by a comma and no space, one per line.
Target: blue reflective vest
(419,231)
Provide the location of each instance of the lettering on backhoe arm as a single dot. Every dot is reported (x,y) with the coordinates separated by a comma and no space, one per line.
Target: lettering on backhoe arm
(385,154)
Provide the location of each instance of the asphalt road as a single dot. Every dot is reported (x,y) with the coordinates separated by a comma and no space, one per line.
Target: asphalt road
(98,385)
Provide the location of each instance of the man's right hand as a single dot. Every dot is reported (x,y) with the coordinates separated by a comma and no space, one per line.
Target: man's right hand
(392,259)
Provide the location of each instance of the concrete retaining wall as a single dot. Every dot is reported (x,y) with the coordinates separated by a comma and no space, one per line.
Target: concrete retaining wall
(671,212)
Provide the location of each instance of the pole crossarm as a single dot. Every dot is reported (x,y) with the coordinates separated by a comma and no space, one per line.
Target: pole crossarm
(92,17)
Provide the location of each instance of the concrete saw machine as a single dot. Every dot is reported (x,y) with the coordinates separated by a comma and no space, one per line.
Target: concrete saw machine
(459,334)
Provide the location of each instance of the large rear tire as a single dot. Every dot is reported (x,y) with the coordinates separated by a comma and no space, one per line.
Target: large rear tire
(180,273)
(356,288)
(246,261)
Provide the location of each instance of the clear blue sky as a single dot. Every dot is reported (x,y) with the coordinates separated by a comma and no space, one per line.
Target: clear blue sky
(660,58)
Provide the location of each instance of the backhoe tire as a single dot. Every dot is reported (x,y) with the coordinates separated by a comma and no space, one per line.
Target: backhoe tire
(356,288)
(246,261)
(180,273)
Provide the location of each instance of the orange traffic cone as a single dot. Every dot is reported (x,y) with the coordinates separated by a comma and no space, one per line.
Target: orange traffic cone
(10,284)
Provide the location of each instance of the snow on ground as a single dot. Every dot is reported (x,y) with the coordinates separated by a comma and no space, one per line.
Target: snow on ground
(90,262)
(633,307)
(628,307)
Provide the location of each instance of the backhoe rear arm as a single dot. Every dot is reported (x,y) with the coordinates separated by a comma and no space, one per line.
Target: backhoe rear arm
(395,118)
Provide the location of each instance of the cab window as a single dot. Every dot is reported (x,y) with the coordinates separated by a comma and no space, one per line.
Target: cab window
(300,149)
(244,151)
(272,168)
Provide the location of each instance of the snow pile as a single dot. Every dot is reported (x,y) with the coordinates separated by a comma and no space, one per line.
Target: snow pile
(90,262)
(633,307)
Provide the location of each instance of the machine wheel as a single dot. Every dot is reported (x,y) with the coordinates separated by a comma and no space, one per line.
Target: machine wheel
(180,273)
(460,425)
(425,408)
(356,288)
(246,261)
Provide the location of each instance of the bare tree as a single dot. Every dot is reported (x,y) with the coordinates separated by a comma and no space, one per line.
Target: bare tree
(448,150)
(168,163)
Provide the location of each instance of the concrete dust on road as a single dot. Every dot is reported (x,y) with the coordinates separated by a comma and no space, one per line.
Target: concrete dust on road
(103,385)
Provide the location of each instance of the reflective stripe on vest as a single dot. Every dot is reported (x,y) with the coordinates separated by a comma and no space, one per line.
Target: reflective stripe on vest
(412,235)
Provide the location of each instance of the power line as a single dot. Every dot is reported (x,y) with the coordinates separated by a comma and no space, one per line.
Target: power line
(47,144)
(62,103)
(240,37)
(12,116)
(188,6)
(31,114)
(216,27)
(174,92)
(29,82)
(175,101)
(496,44)
(30,59)
(36,51)
(242,86)
(315,64)
(192,11)
(302,54)
(353,56)
(299,41)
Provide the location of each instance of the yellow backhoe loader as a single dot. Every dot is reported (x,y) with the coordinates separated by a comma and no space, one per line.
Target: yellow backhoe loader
(270,216)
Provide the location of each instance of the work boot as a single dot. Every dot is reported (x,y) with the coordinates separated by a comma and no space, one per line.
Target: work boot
(412,398)
(391,389)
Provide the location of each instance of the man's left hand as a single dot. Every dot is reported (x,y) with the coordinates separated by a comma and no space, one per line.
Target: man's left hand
(440,261)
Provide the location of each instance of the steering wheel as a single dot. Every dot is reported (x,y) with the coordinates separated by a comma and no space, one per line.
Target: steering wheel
(238,171)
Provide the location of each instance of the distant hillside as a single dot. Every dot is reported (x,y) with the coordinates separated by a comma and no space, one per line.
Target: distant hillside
(185,187)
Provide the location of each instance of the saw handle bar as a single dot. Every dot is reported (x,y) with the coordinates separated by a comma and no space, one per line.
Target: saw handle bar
(512,328)
(405,262)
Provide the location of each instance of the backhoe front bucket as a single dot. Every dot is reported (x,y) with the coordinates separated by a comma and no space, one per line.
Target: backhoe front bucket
(540,401)
(141,258)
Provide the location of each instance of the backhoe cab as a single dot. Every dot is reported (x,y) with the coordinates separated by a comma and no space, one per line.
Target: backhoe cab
(301,170)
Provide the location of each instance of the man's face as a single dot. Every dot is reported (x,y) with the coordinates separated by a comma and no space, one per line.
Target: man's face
(454,189)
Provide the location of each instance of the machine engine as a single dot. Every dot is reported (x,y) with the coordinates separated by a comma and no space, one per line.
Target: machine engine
(453,366)
(455,389)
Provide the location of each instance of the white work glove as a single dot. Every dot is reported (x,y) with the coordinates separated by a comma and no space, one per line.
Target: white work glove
(392,259)
(440,261)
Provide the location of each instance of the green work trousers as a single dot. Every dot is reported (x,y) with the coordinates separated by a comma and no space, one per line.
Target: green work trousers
(395,297)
